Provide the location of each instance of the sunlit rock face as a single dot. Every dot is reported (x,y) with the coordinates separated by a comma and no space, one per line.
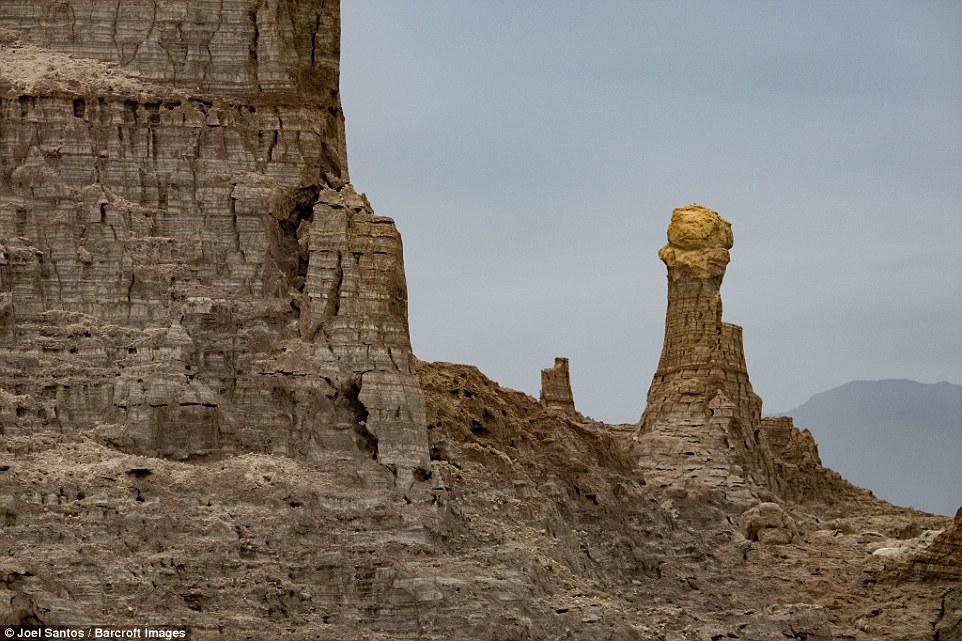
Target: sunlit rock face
(184,268)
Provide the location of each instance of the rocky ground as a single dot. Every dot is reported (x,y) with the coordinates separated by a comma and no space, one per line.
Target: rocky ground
(537,527)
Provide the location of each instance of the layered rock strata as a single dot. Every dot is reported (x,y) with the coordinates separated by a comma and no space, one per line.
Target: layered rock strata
(702,428)
(556,387)
(792,468)
(187,274)
(943,558)
(184,270)
(701,413)
(543,530)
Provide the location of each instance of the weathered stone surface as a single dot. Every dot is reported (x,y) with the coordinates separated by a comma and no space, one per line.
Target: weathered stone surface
(702,372)
(184,271)
(256,49)
(768,523)
(556,387)
(793,470)
(943,558)
(700,420)
(542,529)
(702,429)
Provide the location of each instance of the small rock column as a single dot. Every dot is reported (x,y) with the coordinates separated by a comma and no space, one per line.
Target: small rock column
(556,387)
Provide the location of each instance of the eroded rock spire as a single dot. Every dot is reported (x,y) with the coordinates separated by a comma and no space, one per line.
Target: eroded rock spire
(556,387)
(701,407)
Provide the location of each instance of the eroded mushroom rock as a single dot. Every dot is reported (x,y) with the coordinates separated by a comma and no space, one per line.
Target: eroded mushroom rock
(702,372)
(702,431)
(698,244)
(184,269)
(702,414)
(556,387)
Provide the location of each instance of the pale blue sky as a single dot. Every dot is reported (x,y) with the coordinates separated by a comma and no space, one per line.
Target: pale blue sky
(531,153)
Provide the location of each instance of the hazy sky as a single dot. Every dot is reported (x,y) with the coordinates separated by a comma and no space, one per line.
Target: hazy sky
(532,151)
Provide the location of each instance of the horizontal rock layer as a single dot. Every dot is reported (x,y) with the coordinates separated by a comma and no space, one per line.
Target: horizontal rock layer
(943,558)
(556,387)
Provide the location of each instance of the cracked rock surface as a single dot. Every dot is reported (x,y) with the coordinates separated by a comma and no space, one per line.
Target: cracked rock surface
(540,528)
(184,270)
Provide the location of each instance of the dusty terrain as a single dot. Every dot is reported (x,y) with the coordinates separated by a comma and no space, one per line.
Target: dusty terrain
(540,528)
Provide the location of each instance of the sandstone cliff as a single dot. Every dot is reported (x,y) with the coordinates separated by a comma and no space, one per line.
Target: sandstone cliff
(184,270)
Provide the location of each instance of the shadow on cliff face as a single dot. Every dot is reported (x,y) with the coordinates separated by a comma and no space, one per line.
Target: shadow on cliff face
(290,254)
(365,441)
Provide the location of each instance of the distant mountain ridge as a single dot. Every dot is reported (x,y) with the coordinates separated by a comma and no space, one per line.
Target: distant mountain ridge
(899,438)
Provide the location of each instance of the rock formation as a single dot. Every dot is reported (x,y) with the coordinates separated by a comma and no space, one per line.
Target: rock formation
(943,558)
(184,269)
(210,415)
(791,466)
(556,387)
(702,427)
(701,411)
(768,523)
(702,373)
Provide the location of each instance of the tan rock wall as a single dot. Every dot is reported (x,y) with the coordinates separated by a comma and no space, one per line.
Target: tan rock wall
(943,558)
(183,270)
(793,469)
(268,51)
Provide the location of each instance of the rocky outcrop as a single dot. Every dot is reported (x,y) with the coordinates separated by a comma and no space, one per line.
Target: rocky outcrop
(792,469)
(556,387)
(941,563)
(184,270)
(702,374)
(210,414)
(943,558)
(541,530)
(702,431)
(701,415)
(768,523)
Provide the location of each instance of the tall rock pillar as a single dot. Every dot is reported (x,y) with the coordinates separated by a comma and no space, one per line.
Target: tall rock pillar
(701,408)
